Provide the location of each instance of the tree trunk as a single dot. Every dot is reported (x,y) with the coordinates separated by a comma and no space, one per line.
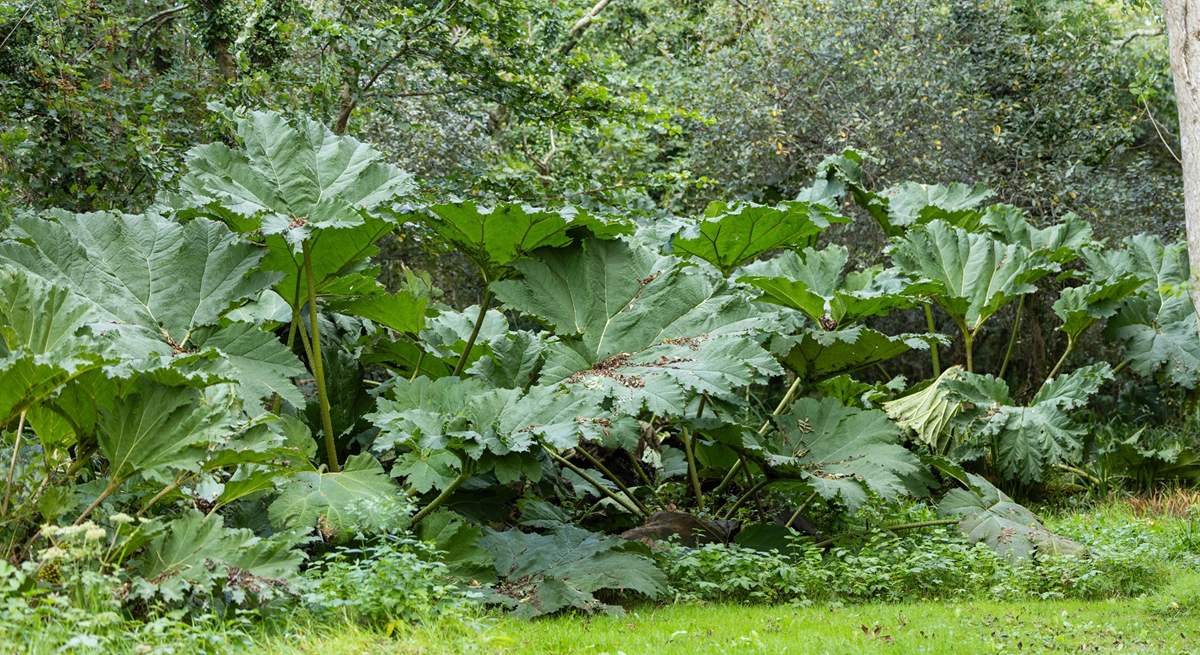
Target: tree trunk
(1183,31)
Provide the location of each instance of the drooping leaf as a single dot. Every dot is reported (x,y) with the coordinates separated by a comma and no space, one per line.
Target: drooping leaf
(458,542)
(987,514)
(495,237)
(542,574)
(841,452)
(1083,306)
(929,411)
(974,274)
(728,236)
(330,502)
(815,282)
(638,326)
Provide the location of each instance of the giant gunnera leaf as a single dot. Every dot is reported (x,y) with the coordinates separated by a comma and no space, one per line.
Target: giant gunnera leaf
(988,515)
(639,326)
(909,204)
(1060,243)
(840,452)
(316,199)
(196,554)
(816,355)
(728,236)
(495,237)
(41,345)
(160,290)
(542,574)
(333,503)
(1029,439)
(815,282)
(1158,327)
(501,429)
(973,274)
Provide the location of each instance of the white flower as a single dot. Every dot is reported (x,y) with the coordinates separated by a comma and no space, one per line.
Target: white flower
(95,533)
(120,518)
(53,553)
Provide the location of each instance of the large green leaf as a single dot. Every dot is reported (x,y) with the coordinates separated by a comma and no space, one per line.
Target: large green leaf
(196,553)
(1158,327)
(987,514)
(495,237)
(973,274)
(1083,306)
(300,187)
(908,204)
(728,236)
(1029,439)
(1060,243)
(841,452)
(152,280)
(817,355)
(815,282)
(542,574)
(292,178)
(41,348)
(639,326)
(466,417)
(149,425)
(333,502)
(158,290)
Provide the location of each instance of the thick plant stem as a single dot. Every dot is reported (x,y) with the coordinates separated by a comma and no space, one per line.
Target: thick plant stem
(318,365)
(693,471)
(113,485)
(1012,338)
(12,464)
(629,505)
(796,514)
(172,486)
(968,342)
(641,472)
(1063,358)
(277,401)
(746,496)
(783,404)
(612,476)
(444,496)
(933,347)
(484,299)
(1119,367)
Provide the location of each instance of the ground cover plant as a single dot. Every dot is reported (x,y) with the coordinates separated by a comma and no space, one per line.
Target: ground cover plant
(217,405)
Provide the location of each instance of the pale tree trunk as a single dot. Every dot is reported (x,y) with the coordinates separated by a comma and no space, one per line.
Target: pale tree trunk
(1183,30)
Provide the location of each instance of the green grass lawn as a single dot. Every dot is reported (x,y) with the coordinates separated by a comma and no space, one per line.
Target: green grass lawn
(1168,622)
